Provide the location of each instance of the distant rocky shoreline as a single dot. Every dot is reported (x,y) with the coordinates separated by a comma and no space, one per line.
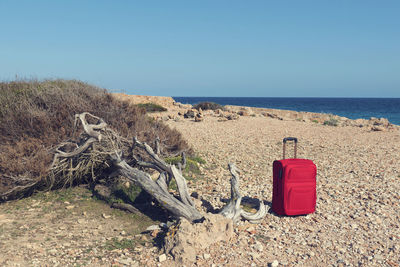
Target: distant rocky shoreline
(177,111)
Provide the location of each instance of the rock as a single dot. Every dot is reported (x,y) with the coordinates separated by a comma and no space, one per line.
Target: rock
(245,111)
(106,216)
(379,122)
(378,257)
(189,238)
(359,122)
(218,111)
(152,228)
(162,257)
(189,114)
(259,247)
(53,251)
(206,256)
(69,207)
(232,116)
(377,128)
(126,261)
(275,263)
(254,255)
(210,112)
(198,118)
(274,116)
(251,230)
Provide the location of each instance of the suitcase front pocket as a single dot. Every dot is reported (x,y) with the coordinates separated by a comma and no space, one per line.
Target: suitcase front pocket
(300,200)
(301,173)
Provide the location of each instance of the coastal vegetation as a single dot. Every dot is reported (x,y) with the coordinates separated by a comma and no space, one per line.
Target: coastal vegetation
(152,107)
(331,122)
(208,106)
(37,116)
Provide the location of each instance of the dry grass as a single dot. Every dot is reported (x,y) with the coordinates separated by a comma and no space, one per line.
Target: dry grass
(35,116)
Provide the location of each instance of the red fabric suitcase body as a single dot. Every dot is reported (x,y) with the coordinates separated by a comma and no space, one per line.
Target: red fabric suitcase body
(294,184)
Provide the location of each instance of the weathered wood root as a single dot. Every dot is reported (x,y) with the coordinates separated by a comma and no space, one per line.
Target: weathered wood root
(170,171)
(182,207)
(176,207)
(233,210)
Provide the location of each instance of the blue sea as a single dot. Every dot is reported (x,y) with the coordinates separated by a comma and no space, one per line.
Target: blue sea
(353,108)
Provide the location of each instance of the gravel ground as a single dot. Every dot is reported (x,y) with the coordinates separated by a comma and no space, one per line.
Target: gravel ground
(358,190)
(356,222)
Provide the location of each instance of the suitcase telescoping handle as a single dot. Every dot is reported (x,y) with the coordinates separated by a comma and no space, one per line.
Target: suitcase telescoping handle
(295,145)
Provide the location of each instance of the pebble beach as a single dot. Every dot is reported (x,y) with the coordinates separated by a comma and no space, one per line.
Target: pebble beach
(356,222)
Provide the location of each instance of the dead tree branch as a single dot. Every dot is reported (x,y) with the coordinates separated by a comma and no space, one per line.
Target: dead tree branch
(160,193)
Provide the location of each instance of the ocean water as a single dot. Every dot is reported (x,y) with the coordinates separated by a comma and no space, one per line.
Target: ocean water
(353,108)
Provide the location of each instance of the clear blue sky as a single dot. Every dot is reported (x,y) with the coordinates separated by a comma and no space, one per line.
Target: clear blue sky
(208,48)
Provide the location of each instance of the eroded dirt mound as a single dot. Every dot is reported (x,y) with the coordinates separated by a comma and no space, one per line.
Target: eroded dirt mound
(186,239)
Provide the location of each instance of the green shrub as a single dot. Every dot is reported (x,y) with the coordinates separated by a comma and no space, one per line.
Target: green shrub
(152,107)
(208,106)
(331,122)
(198,160)
(192,163)
(173,160)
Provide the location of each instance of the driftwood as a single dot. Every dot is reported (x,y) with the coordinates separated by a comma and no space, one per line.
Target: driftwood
(233,210)
(112,148)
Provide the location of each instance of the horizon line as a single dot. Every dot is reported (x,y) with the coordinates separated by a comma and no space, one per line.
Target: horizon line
(373,97)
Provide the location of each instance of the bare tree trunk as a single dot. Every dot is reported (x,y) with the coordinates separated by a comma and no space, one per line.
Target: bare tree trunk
(168,201)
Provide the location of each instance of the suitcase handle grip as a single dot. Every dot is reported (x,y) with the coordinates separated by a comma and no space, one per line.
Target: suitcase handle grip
(290,139)
(295,145)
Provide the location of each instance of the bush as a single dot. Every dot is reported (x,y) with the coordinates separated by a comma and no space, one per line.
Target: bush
(152,107)
(191,163)
(35,116)
(208,106)
(331,122)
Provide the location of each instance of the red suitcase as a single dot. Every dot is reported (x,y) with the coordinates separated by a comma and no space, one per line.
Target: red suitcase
(294,184)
